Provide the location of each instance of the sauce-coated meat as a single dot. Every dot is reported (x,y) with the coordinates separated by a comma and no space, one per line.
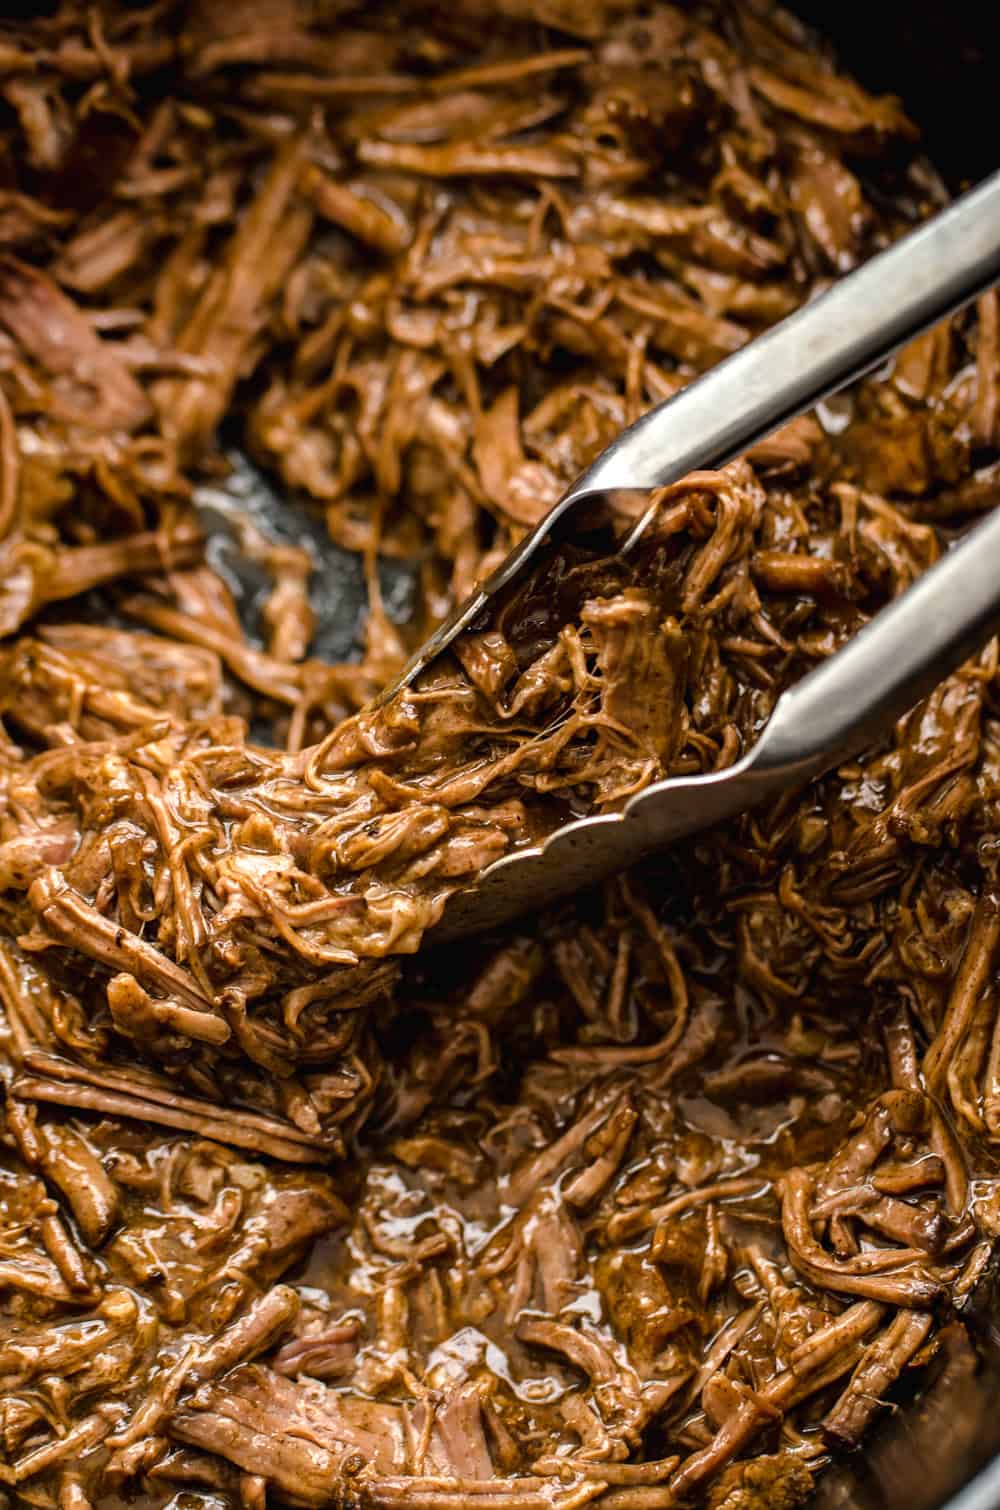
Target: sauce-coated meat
(662,1198)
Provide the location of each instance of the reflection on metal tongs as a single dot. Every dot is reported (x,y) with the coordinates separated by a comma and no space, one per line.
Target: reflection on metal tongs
(895,660)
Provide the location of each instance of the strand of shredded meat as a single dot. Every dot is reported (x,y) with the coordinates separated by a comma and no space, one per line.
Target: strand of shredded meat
(666,1197)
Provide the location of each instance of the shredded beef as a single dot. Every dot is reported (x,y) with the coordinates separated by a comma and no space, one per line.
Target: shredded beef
(665,1197)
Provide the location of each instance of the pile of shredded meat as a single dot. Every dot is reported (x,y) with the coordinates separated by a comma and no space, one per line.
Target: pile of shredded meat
(661,1199)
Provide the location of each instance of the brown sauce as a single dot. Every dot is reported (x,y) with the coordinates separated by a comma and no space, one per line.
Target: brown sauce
(666,1197)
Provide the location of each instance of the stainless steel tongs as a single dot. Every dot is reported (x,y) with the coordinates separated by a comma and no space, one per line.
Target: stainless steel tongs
(893,662)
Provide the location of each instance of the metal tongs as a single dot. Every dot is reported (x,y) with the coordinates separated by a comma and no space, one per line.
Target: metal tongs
(894,661)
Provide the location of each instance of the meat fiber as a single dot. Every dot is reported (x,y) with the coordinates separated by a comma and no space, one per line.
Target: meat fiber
(666,1197)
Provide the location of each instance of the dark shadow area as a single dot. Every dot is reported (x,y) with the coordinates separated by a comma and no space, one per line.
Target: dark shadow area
(940,56)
